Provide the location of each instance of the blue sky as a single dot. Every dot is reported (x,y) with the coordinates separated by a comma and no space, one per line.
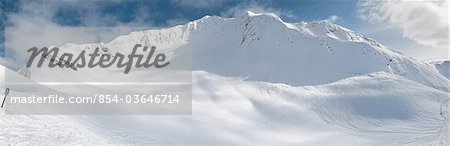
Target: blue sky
(160,12)
(163,13)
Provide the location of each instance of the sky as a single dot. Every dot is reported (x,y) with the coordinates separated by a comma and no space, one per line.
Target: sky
(417,29)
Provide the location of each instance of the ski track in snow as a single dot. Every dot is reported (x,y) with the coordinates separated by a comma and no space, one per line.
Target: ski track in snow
(247,112)
(276,114)
(45,130)
(293,112)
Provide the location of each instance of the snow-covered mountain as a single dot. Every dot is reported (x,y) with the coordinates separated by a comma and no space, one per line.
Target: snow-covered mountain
(258,79)
(264,48)
(261,47)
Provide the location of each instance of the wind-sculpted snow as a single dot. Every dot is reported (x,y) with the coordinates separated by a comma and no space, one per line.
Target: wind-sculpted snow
(380,108)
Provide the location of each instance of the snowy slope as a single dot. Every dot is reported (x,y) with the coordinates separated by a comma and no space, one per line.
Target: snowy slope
(443,67)
(40,130)
(380,108)
(259,80)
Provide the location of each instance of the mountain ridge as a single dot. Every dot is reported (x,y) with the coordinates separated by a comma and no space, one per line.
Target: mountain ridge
(262,47)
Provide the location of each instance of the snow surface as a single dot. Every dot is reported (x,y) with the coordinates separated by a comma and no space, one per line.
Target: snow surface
(259,80)
(443,66)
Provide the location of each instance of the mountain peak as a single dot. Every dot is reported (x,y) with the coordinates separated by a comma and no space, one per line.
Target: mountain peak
(248,14)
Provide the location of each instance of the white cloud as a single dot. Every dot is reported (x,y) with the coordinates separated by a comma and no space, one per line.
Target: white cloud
(333,18)
(425,22)
(199,4)
(240,9)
